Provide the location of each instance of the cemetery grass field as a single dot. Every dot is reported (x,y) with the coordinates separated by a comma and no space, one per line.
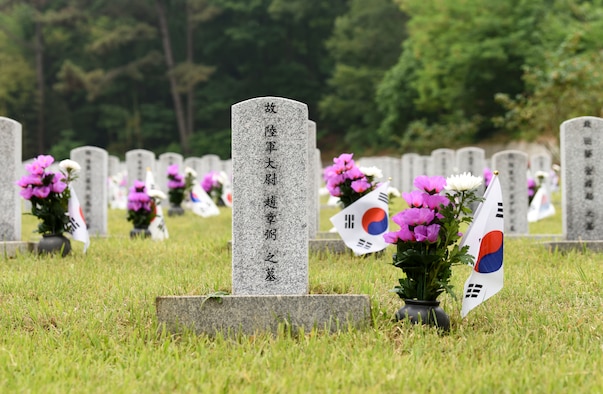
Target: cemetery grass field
(87,323)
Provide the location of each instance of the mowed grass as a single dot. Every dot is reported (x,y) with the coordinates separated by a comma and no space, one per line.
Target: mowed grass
(87,323)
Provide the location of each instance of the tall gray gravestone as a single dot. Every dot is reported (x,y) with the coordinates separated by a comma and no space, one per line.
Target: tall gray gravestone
(270,236)
(270,219)
(313,196)
(443,162)
(10,162)
(164,161)
(91,186)
(113,165)
(512,167)
(581,146)
(137,163)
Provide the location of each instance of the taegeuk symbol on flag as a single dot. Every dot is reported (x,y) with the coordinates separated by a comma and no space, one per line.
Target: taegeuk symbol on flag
(362,224)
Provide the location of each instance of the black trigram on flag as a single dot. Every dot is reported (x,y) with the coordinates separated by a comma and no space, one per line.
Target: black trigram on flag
(383,197)
(473,290)
(499,210)
(364,244)
(349,221)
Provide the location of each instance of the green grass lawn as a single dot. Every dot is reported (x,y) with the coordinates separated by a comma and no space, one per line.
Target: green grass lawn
(87,324)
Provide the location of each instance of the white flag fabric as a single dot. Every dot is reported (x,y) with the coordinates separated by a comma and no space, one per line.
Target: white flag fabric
(202,204)
(150,180)
(485,240)
(541,206)
(157,227)
(79,229)
(227,194)
(362,224)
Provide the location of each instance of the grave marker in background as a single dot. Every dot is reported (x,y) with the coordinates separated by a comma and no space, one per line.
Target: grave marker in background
(512,167)
(91,186)
(165,160)
(137,162)
(582,178)
(10,162)
(443,162)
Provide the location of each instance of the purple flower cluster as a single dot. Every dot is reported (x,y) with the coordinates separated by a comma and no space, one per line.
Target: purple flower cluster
(345,180)
(211,181)
(421,222)
(40,183)
(138,199)
(487,176)
(175,180)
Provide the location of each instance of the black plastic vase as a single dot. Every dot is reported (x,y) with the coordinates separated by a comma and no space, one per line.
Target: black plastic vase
(54,244)
(140,232)
(424,312)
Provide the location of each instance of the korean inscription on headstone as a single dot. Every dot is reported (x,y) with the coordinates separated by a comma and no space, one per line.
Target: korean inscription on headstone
(270,235)
(582,183)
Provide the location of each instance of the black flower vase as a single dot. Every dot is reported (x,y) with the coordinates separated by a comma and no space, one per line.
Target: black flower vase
(175,210)
(140,232)
(424,312)
(53,244)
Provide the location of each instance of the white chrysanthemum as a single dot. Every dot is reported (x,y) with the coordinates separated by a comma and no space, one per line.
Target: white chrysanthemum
(463,182)
(375,172)
(541,175)
(222,178)
(69,165)
(392,191)
(190,171)
(157,194)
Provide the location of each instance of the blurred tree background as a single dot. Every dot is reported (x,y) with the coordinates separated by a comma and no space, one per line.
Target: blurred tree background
(379,76)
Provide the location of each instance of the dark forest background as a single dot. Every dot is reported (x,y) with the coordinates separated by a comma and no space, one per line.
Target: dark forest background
(379,76)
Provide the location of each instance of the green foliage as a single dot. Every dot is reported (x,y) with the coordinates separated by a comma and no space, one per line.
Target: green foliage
(564,85)
(365,43)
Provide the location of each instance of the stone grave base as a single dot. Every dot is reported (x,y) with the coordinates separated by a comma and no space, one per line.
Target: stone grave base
(566,246)
(10,248)
(252,314)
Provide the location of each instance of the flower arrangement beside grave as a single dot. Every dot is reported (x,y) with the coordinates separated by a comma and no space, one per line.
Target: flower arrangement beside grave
(49,193)
(349,182)
(141,209)
(534,184)
(213,184)
(427,244)
(178,185)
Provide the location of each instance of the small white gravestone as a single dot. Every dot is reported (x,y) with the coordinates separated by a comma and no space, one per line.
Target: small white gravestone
(91,186)
(512,167)
(443,162)
(137,163)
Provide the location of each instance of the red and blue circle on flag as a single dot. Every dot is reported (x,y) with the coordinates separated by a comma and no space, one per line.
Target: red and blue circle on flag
(375,221)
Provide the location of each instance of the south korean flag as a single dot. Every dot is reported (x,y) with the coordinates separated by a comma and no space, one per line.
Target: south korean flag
(485,240)
(362,224)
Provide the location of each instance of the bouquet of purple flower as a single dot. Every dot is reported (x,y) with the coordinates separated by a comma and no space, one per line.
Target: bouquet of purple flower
(178,184)
(141,206)
(426,244)
(349,182)
(49,193)
(213,184)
